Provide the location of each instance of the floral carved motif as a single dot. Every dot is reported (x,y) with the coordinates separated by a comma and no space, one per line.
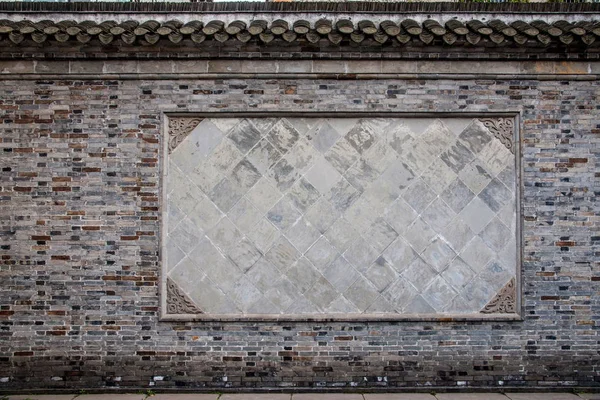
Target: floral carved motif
(505,301)
(179,128)
(178,302)
(502,129)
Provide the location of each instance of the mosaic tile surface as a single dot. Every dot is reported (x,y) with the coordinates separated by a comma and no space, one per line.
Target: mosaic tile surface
(340,216)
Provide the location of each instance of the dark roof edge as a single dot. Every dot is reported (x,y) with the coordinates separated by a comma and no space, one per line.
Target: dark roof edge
(290,7)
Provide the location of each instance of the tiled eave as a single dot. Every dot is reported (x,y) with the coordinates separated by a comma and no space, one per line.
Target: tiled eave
(393,28)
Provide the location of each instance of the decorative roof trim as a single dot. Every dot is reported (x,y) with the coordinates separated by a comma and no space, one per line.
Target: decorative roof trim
(499,34)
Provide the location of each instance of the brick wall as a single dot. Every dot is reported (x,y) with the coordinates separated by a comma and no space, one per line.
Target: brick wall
(80,210)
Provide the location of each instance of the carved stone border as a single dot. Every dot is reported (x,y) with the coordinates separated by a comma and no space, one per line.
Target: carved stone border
(505,306)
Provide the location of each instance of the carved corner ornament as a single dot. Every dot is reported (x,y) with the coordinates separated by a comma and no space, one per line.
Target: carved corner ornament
(502,129)
(178,302)
(179,129)
(505,301)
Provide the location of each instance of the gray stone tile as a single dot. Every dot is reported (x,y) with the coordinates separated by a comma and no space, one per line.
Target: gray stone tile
(341,195)
(496,195)
(244,254)
(244,215)
(323,136)
(457,125)
(399,175)
(475,176)
(263,274)
(301,306)
(417,155)
(282,254)
(361,213)
(205,214)
(419,274)
(187,198)
(302,125)
(438,254)
(418,305)
(419,235)
(400,215)
(419,195)
(283,174)
(361,137)
(417,126)
(379,196)
(380,156)
(343,125)
(186,235)
(302,235)
(322,175)
(396,134)
(302,155)
(438,294)
(283,136)
(321,294)
(508,177)
(496,235)
(361,255)
(475,137)
(225,194)
(361,175)
(263,156)
(496,157)
(549,396)
(380,235)
(303,274)
(197,146)
(283,295)
(218,268)
(381,274)
(341,234)
(244,135)
(341,155)
(438,176)
(437,137)
(361,293)
(174,216)
(244,294)
(476,214)
(476,254)
(283,214)
(205,176)
(224,124)
(341,305)
(496,274)
(303,195)
(263,235)
(399,294)
(457,234)
(457,195)
(438,215)
(400,255)
(321,254)
(380,306)
(458,273)
(174,254)
(322,215)
(263,195)
(341,274)
(459,305)
(457,157)
(224,156)
(224,235)
(477,293)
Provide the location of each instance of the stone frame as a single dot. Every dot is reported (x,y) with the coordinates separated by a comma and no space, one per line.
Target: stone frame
(498,310)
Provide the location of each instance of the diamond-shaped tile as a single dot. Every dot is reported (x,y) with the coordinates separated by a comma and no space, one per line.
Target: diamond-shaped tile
(284,295)
(244,215)
(380,235)
(400,215)
(224,235)
(496,235)
(322,253)
(205,214)
(264,274)
(496,274)
(361,255)
(225,194)
(341,234)
(400,255)
(396,135)
(475,137)
(244,294)
(419,235)
(438,215)
(476,214)
(197,146)
(438,254)
(457,234)
(419,274)
(341,305)
(244,254)
(303,274)
(341,274)
(186,235)
(283,174)
(244,135)
(174,254)
(438,176)
(302,235)
(399,175)
(475,176)
(457,195)
(419,195)
(361,175)
(205,176)
(341,195)
(263,195)
(283,136)
(303,194)
(263,156)
(282,254)
(224,156)
(496,157)
(245,175)
(322,175)
(418,305)
(218,268)
(341,155)
(457,157)
(437,137)
(439,294)
(263,235)
(476,254)
(322,215)
(495,195)
(302,155)
(458,273)
(323,137)
(361,136)
(361,293)
(283,215)
(381,274)
(417,154)
(380,156)
(400,293)
(321,294)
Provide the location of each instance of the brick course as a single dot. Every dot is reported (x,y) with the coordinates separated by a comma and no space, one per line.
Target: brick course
(79,301)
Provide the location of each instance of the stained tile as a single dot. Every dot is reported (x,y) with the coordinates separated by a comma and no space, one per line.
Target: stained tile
(283,136)
(263,195)
(438,254)
(438,294)
(245,175)
(322,253)
(457,195)
(496,235)
(341,155)
(438,176)
(380,235)
(417,155)
(419,274)
(321,294)
(282,254)
(400,255)
(361,255)
(399,294)
(322,215)
(438,215)
(197,146)
(224,156)
(283,214)
(302,235)
(381,274)
(283,174)
(205,176)
(361,137)
(205,214)
(244,254)
(341,195)
(475,176)
(322,175)
(224,235)
(496,274)
(437,137)
(302,155)
(419,195)
(457,234)
(341,234)
(361,293)
(361,175)
(396,135)
(263,156)
(341,274)
(476,254)
(457,157)
(495,195)
(475,137)
(380,156)
(303,194)
(263,274)
(244,135)
(323,137)
(303,274)
(496,157)
(263,235)
(399,175)
(476,214)
(225,194)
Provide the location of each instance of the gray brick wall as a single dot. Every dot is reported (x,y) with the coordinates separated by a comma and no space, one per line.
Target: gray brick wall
(79,270)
